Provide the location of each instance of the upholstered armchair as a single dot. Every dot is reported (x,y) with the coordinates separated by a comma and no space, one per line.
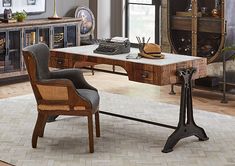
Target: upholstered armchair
(60,92)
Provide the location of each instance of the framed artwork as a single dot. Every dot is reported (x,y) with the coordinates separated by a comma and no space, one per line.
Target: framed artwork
(88,21)
(31,2)
(6,3)
(29,6)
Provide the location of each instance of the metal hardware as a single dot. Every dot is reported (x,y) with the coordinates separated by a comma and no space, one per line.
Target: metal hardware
(60,61)
(224,99)
(145,75)
(186,127)
(7,51)
(138,120)
(172,92)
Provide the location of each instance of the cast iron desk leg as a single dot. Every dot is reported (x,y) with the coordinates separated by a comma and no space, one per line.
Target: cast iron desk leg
(186,127)
(172,92)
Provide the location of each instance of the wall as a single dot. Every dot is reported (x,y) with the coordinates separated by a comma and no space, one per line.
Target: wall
(108,14)
(164,37)
(229,7)
(62,7)
(117,13)
(103,19)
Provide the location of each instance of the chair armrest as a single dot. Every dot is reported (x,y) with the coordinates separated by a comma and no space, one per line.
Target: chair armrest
(75,75)
(56,82)
(59,91)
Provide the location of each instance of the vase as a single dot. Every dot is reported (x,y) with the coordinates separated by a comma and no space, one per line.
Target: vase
(20,19)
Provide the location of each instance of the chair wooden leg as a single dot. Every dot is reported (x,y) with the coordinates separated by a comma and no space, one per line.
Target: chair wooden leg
(97,124)
(41,132)
(90,132)
(37,129)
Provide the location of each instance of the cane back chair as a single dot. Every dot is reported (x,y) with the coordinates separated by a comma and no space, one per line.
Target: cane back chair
(60,92)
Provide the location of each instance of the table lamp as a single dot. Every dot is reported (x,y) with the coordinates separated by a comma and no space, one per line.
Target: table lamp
(55,16)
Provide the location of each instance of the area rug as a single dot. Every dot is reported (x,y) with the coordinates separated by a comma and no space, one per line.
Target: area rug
(122,142)
(3,163)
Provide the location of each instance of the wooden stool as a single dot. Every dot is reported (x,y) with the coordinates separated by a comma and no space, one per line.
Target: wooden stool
(82,64)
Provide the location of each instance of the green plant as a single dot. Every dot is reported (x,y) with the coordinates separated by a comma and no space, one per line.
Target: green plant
(20,16)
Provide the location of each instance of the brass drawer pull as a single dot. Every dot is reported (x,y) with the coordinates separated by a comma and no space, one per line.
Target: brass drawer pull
(145,75)
(60,61)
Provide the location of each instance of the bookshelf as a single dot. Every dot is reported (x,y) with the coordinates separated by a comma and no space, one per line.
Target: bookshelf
(15,36)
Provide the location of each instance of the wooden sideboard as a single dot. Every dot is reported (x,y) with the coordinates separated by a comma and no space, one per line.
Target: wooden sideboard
(59,33)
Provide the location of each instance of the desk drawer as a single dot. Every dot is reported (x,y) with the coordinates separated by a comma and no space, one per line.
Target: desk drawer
(59,62)
(144,76)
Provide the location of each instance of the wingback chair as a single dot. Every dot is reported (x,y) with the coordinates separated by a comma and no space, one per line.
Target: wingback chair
(60,92)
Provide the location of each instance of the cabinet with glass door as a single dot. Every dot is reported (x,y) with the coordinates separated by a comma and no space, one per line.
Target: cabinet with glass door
(65,36)
(197,27)
(15,36)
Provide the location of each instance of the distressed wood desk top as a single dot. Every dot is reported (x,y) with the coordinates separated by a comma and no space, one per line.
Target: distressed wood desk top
(38,22)
(152,71)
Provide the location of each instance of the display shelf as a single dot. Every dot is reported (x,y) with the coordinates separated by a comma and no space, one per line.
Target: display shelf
(200,30)
(15,36)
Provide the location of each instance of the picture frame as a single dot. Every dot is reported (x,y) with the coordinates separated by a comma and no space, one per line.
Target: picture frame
(6,3)
(31,2)
(29,6)
(88,21)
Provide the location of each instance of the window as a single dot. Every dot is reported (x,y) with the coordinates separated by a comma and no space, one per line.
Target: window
(142,19)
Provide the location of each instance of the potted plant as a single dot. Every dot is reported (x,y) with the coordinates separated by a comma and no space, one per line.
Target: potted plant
(20,16)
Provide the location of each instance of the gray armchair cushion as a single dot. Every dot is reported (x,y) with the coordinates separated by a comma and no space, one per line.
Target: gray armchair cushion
(41,55)
(75,75)
(92,96)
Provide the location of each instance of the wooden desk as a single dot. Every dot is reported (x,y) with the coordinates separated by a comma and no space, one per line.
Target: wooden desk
(152,71)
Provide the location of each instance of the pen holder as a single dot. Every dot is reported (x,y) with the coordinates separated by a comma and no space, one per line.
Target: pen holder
(141,47)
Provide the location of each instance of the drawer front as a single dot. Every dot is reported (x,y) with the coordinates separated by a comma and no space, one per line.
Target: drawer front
(59,62)
(144,76)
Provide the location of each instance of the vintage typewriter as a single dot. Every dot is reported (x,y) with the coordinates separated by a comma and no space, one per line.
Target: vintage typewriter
(116,45)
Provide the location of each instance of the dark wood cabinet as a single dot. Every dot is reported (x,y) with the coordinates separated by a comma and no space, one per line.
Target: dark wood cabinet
(197,27)
(15,36)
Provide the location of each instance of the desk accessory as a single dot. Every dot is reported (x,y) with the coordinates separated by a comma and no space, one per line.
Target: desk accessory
(7,15)
(133,56)
(55,16)
(149,50)
(116,45)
